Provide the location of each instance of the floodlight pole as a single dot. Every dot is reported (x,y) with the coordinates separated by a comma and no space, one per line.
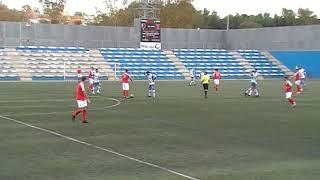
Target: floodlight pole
(149,9)
(20,33)
(228,21)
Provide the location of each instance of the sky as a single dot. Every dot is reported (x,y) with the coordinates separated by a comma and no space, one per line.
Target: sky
(223,7)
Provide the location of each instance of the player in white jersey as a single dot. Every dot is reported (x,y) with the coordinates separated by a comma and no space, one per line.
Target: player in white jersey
(201,74)
(96,82)
(151,82)
(303,75)
(253,80)
(192,75)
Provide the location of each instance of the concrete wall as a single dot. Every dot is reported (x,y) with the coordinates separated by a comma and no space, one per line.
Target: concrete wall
(192,38)
(13,34)
(278,38)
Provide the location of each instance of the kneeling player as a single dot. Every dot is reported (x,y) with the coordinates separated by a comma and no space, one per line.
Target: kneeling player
(82,100)
(287,87)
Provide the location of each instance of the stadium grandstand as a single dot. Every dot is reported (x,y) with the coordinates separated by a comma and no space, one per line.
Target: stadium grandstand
(59,63)
(26,55)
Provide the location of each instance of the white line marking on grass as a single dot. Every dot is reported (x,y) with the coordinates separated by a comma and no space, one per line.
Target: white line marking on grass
(35,101)
(43,100)
(62,112)
(100,148)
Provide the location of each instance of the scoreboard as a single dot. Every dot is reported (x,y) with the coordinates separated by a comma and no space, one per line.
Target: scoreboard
(150,30)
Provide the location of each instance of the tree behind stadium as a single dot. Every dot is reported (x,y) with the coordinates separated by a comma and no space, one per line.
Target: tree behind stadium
(53,10)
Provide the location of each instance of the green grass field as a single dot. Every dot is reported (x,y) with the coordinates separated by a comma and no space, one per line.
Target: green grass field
(224,137)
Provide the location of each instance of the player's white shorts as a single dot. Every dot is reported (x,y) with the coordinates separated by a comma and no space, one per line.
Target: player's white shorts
(298,82)
(125,86)
(82,104)
(79,75)
(288,95)
(216,81)
(91,81)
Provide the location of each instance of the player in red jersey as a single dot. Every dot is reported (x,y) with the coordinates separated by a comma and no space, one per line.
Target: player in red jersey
(79,73)
(216,79)
(297,78)
(287,88)
(125,77)
(82,100)
(90,76)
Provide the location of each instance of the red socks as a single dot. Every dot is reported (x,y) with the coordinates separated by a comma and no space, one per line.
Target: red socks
(299,88)
(291,101)
(84,115)
(125,93)
(78,111)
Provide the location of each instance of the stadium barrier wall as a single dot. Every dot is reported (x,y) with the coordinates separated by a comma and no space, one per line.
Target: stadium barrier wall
(14,34)
(275,38)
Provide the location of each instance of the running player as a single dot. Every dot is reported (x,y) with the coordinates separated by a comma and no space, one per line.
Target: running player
(151,81)
(125,77)
(82,100)
(96,82)
(297,78)
(287,87)
(253,80)
(303,75)
(192,74)
(205,83)
(202,73)
(79,73)
(90,76)
(216,79)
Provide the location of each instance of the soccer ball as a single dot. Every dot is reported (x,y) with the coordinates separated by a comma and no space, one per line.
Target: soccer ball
(132,95)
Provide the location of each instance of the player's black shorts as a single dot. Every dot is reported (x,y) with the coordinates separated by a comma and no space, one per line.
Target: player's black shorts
(253,85)
(205,86)
(96,84)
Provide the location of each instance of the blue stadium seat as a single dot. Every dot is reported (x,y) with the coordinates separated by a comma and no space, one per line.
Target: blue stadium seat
(210,59)
(7,70)
(138,61)
(48,63)
(261,63)
(50,49)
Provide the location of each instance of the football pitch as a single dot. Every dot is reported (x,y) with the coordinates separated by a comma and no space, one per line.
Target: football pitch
(179,135)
